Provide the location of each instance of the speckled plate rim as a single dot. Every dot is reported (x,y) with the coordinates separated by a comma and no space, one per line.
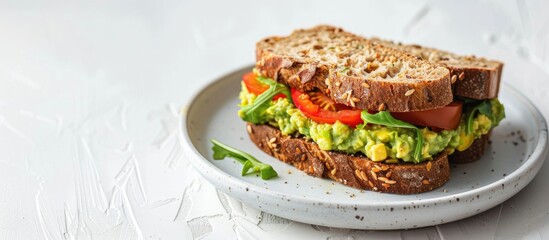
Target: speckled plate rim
(211,172)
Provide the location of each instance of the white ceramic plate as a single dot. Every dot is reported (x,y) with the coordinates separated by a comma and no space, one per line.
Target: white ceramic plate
(517,151)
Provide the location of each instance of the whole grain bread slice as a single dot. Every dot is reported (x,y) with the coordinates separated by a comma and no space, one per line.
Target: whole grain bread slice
(354,71)
(352,170)
(472,77)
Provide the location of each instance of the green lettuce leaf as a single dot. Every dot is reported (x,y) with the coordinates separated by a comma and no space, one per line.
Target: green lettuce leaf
(384,118)
(251,164)
(485,108)
(252,113)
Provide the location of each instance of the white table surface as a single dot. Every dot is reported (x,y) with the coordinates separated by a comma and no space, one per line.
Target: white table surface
(90,95)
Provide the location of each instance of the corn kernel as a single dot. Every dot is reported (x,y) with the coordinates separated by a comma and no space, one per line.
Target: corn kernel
(379,152)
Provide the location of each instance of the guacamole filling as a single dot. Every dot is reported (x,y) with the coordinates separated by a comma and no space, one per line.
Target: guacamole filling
(377,142)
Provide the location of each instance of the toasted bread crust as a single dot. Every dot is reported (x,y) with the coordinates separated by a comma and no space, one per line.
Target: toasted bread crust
(400,92)
(355,171)
(473,77)
(477,83)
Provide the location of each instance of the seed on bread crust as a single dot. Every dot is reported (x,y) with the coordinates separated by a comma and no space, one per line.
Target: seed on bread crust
(428,166)
(350,95)
(461,75)
(454,78)
(374,174)
(386,180)
(426,182)
(357,173)
(364,176)
(344,95)
(269,143)
(391,182)
(249,128)
(361,175)
(382,179)
(409,92)
(381,107)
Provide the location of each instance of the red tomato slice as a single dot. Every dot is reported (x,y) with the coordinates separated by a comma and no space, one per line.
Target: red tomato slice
(256,87)
(322,109)
(446,118)
(318,114)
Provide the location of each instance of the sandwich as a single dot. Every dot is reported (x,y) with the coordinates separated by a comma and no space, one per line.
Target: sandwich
(369,113)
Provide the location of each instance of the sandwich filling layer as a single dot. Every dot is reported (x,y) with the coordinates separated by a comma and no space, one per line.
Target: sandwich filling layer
(377,142)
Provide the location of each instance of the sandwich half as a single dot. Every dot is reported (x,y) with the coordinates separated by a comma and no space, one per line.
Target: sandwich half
(367,113)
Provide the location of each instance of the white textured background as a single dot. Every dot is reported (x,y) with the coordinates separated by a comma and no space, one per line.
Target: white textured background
(90,95)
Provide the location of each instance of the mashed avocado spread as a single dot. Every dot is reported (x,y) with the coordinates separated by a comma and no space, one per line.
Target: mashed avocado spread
(377,142)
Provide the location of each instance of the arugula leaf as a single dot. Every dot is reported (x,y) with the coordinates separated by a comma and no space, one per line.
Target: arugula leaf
(384,118)
(485,108)
(252,113)
(221,151)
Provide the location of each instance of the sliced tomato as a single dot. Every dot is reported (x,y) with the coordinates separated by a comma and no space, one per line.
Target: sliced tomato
(322,109)
(319,109)
(322,100)
(256,87)
(447,117)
